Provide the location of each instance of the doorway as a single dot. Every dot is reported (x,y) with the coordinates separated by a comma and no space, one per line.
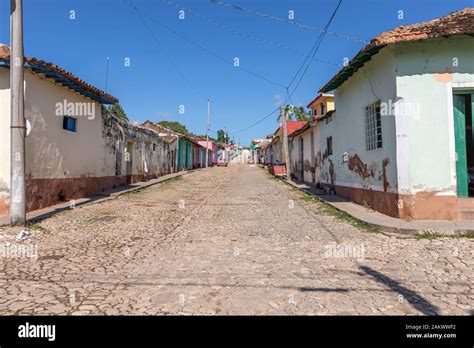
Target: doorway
(463,103)
(301,161)
(128,159)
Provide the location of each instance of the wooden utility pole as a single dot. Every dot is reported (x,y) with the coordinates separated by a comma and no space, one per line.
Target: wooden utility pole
(18,129)
(285,144)
(207,131)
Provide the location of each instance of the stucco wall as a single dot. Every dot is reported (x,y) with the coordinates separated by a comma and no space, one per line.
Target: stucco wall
(374,169)
(311,169)
(51,151)
(427,153)
(5,121)
(62,165)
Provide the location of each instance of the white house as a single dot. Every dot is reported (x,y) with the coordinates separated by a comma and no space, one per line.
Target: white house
(74,146)
(401,135)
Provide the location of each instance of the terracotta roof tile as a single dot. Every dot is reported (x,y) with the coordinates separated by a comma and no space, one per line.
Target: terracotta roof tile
(5,55)
(455,23)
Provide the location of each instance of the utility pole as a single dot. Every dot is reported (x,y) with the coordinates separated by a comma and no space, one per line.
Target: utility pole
(207,130)
(18,129)
(107,74)
(285,144)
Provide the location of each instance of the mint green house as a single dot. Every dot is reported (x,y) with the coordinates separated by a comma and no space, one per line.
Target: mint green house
(186,158)
(401,138)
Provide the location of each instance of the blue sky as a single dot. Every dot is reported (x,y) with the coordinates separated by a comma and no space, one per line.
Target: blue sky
(157,83)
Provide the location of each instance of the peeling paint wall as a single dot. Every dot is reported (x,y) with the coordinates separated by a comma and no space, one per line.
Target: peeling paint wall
(351,166)
(62,165)
(5,123)
(425,77)
(150,155)
(413,175)
(311,163)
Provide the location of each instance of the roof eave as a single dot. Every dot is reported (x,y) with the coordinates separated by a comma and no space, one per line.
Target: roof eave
(65,81)
(357,62)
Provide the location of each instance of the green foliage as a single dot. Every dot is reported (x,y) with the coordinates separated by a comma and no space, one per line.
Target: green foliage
(176,126)
(294,113)
(222,136)
(435,235)
(118,111)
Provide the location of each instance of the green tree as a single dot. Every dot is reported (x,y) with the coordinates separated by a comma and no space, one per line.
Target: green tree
(176,126)
(294,113)
(222,136)
(118,111)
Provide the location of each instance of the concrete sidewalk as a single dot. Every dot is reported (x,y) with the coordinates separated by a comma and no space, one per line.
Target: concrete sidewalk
(44,213)
(385,222)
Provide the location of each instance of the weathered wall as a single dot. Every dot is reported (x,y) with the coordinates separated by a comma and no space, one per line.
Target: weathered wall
(149,156)
(373,170)
(414,175)
(311,155)
(425,80)
(5,122)
(63,165)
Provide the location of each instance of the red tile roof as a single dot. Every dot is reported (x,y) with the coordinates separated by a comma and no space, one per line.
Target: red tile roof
(5,56)
(455,23)
(292,126)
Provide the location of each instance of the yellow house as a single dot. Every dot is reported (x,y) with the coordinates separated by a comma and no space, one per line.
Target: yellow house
(320,105)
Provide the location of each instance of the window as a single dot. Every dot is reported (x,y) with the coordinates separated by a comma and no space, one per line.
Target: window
(322,110)
(373,127)
(70,124)
(154,147)
(329,145)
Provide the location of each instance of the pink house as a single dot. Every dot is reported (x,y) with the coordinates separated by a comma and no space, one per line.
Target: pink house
(213,149)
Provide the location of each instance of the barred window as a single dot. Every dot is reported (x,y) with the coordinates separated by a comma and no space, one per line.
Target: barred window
(373,126)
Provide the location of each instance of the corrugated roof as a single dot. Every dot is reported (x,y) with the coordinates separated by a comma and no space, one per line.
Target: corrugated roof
(455,23)
(61,76)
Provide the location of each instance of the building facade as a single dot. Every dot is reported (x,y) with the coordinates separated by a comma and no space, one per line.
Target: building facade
(401,136)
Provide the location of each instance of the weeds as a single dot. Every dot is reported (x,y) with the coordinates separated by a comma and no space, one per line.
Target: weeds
(340,215)
(32,225)
(172,180)
(433,235)
(428,235)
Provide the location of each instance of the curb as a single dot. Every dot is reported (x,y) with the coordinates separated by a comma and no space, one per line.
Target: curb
(96,198)
(384,228)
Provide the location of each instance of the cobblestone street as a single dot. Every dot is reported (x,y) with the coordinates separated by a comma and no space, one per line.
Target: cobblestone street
(228,240)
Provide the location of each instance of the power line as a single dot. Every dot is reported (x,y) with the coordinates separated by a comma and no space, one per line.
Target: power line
(259,121)
(241,34)
(312,52)
(155,38)
(314,49)
(279,19)
(171,30)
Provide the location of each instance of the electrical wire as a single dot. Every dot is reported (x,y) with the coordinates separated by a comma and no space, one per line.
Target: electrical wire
(244,35)
(279,19)
(201,47)
(313,51)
